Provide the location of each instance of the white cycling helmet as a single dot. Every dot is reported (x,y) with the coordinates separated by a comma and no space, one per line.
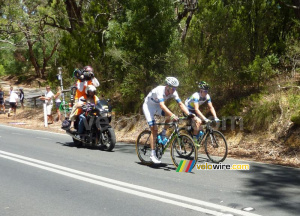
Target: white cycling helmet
(90,88)
(172,81)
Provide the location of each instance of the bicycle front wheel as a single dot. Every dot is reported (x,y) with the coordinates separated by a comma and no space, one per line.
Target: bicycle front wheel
(143,149)
(216,147)
(183,148)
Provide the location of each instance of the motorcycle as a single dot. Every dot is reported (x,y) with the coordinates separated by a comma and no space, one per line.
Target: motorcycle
(97,131)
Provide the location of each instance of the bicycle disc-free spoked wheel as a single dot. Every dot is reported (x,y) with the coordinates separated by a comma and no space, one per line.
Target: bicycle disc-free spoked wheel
(183,148)
(142,146)
(216,146)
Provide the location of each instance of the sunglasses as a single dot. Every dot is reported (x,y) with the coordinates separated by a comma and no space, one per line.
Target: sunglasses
(205,91)
(173,88)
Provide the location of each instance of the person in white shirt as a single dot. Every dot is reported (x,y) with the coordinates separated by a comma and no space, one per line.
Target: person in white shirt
(13,98)
(154,103)
(48,98)
(57,98)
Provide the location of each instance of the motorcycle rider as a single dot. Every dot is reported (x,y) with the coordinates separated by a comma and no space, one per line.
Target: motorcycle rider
(85,78)
(89,98)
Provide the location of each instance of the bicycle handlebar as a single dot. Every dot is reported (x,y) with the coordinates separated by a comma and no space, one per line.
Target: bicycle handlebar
(175,122)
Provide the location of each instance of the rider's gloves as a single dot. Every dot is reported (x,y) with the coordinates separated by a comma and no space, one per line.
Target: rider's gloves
(217,119)
(174,117)
(206,120)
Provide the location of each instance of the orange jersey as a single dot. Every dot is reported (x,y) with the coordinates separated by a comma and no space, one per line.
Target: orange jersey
(79,110)
(81,86)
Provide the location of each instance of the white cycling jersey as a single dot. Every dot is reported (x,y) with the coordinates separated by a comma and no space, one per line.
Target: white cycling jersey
(151,103)
(196,98)
(158,95)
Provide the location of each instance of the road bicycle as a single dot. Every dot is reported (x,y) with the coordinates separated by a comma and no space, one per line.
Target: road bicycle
(182,146)
(213,140)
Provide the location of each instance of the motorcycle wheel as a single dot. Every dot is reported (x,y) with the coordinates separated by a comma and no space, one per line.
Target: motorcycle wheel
(108,139)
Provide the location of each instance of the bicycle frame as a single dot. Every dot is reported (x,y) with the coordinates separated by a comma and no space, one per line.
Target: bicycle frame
(208,130)
(175,134)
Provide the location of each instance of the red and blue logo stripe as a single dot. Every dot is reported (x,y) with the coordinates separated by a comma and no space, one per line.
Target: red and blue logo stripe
(185,166)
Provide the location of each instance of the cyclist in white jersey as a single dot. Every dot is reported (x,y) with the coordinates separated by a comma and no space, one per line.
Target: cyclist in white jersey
(154,103)
(196,100)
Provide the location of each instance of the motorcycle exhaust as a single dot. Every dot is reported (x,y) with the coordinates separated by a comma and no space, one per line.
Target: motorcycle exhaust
(73,135)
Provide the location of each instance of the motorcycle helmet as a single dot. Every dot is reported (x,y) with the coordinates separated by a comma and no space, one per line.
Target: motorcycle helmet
(90,88)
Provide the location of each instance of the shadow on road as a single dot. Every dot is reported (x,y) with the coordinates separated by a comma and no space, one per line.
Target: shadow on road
(72,145)
(278,185)
(163,166)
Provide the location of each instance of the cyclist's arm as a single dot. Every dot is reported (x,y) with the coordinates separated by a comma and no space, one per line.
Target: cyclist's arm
(212,110)
(165,108)
(197,111)
(183,108)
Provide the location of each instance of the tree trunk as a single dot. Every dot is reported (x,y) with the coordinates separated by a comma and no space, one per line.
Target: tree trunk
(187,25)
(33,60)
(74,13)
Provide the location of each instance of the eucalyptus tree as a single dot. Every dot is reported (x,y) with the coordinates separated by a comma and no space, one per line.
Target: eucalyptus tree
(23,30)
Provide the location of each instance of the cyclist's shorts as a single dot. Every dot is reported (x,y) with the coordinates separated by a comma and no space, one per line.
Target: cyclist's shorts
(150,110)
(192,112)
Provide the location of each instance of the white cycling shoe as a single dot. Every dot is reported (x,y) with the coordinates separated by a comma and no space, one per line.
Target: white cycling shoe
(154,159)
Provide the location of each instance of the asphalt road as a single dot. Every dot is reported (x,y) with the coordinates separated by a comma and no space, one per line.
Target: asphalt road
(43,173)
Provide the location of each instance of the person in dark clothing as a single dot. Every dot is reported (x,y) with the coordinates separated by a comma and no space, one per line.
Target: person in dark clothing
(2,100)
(22,97)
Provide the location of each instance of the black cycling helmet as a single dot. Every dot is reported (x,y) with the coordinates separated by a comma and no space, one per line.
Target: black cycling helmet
(203,85)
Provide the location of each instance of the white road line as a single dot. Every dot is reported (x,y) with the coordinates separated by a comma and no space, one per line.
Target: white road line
(118,185)
(1,125)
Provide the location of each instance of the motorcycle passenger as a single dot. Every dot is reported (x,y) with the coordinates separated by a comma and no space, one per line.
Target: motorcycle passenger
(194,102)
(85,77)
(89,97)
(154,103)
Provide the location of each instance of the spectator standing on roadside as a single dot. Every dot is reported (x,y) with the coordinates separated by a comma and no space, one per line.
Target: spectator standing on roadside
(48,98)
(11,89)
(2,99)
(21,97)
(13,98)
(57,98)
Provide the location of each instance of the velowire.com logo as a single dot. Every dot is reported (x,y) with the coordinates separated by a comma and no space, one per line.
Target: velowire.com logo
(187,166)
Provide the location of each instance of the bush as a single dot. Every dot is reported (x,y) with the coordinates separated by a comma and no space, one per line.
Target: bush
(262,115)
(296,118)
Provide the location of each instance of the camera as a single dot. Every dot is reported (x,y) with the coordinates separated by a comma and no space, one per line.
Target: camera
(88,75)
(83,75)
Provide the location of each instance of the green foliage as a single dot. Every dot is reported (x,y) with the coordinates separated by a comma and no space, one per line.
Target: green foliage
(294,106)
(2,70)
(296,119)
(138,41)
(236,46)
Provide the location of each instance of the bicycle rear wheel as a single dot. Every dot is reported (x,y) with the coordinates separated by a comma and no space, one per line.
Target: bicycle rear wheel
(216,147)
(143,149)
(183,148)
